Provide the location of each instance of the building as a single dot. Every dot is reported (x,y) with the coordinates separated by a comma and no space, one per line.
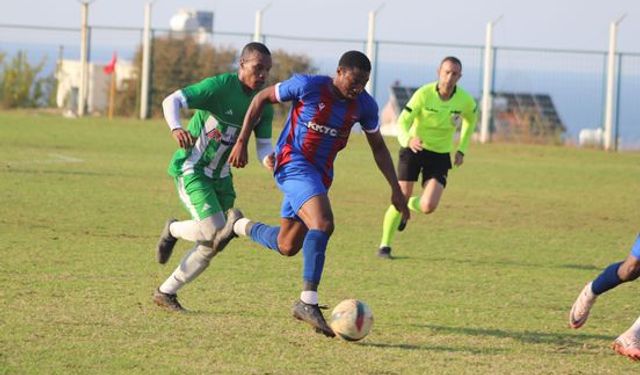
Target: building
(98,82)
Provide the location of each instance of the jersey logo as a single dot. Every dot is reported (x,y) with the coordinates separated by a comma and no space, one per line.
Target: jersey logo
(456,120)
(206,206)
(229,112)
(322,129)
(215,135)
(321,106)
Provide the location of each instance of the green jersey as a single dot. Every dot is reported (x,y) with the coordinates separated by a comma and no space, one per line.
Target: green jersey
(221,104)
(435,121)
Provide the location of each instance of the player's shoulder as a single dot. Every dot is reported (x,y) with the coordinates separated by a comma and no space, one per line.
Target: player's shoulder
(464,95)
(367,101)
(426,90)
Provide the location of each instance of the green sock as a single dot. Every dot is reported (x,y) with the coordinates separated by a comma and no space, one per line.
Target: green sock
(390,225)
(414,204)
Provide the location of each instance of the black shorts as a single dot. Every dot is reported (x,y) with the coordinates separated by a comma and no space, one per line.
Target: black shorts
(431,164)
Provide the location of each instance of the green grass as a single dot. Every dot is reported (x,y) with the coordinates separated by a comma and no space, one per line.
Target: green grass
(482,286)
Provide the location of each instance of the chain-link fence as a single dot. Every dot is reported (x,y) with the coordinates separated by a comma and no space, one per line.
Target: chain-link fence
(574,80)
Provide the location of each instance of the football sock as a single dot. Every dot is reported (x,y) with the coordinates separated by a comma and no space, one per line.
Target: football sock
(608,279)
(187,230)
(265,235)
(414,204)
(197,230)
(390,225)
(313,249)
(192,265)
(242,227)
(309,297)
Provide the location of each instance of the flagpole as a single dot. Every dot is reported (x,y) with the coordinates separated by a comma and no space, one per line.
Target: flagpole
(112,93)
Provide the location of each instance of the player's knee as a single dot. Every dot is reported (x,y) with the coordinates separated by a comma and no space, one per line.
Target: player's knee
(326,226)
(289,249)
(629,270)
(428,207)
(210,225)
(205,252)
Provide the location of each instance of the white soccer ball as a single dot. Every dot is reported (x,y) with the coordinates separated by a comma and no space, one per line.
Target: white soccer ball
(351,320)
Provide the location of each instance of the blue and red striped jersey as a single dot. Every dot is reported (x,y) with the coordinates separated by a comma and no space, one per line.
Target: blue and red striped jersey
(319,123)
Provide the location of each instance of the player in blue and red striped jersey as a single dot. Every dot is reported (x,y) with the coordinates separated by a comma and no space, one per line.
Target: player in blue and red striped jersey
(324,109)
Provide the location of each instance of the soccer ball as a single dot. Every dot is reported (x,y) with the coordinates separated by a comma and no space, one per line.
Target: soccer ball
(351,320)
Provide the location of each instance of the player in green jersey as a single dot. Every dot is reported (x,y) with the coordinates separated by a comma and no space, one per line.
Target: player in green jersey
(426,131)
(200,169)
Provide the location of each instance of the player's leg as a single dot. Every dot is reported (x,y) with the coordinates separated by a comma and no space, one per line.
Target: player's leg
(430,198)
(408,170)
(434,180)
(202,201)
(317,215)
(392,222)
(628,343)
(196,195)
(285,239)
(612,276)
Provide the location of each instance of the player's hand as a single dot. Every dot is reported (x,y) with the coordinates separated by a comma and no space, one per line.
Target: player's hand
(238,157)
(183,137)
(458,159)
(415,144)
(399,201)
(269,161)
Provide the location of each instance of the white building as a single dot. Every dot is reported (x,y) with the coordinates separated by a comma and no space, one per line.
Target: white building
(98,81)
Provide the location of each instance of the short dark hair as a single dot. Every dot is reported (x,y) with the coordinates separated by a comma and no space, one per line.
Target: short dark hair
(355,59)
(255,47)
(452,59)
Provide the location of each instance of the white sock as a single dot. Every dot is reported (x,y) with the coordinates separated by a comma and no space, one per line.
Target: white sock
(241,227)
(187,230)
(191,266)
(309,297)
(171,285)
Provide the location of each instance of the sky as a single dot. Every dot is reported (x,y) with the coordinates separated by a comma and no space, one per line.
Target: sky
(562,24)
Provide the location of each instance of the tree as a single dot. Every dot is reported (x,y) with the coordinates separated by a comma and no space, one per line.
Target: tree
(20,85)
(176,62)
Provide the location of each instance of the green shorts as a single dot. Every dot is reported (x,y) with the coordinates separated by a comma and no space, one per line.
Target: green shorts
(203,196)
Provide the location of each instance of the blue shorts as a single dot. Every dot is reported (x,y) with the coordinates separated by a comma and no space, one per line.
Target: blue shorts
(298,183)
(635,249)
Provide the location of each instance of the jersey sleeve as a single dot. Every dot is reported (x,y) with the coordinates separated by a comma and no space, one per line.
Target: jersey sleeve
(408,114)
(291,89)
(469,119)
(203,94)
(369,121)
(264,127)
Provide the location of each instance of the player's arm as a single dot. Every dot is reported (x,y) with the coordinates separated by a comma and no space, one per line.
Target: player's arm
(238,157)
(405,120)
(264,146)
(469,119)
(385,164)
(171,106)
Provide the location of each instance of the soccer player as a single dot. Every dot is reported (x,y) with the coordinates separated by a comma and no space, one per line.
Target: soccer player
(615,274)
(323,111)
(426,130)
(200,169)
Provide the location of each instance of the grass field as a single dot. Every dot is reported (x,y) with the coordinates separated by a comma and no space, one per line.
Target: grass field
(483,286)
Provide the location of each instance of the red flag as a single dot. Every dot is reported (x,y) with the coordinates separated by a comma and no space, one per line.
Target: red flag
(111,66)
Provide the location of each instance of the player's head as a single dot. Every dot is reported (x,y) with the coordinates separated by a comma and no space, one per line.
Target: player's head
(449,72)
(352,75)
(255,63)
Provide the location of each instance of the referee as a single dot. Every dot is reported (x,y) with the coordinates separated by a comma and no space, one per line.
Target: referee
(426,132)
